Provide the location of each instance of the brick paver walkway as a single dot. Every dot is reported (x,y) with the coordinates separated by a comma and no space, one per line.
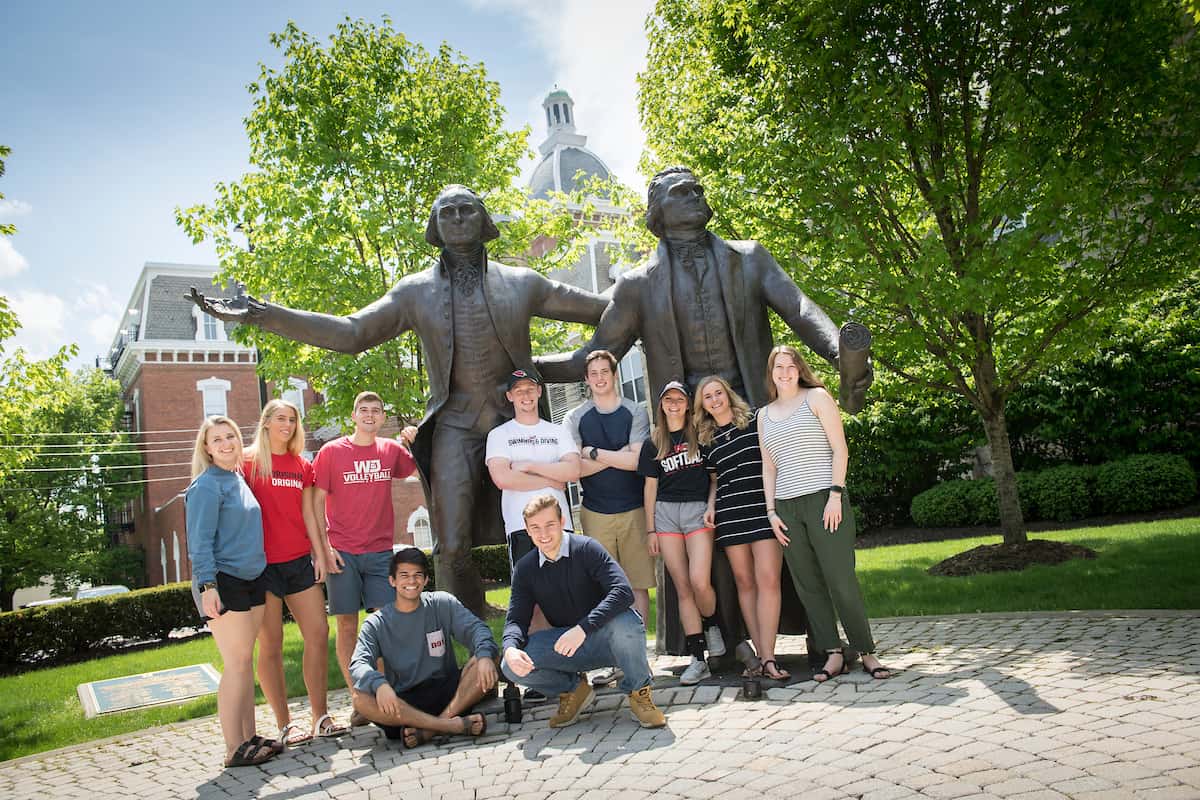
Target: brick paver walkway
(1088,705)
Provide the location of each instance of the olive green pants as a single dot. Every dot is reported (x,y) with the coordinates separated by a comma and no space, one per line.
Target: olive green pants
(822,567)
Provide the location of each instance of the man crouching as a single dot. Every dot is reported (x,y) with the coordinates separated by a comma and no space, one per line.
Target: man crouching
(421,692)
(586,598)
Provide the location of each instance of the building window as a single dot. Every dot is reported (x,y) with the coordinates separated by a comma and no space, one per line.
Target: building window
(419,529)
(214,393)
(567,114)
(557,114)
(175,554)
(208,329)
(633,376)
(162,556)
(295,393)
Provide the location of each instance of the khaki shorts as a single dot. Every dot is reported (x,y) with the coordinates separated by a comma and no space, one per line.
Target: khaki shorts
(624,537)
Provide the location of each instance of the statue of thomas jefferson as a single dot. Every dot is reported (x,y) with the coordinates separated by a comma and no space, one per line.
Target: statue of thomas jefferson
(472,316)
(700,305)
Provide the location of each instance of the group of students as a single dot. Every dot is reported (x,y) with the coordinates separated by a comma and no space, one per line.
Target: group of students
(265,528)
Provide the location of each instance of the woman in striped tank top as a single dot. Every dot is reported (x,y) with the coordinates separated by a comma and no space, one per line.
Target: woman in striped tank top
(729,444)
(804,460)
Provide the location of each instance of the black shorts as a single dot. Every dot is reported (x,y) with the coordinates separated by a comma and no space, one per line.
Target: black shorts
(236,594)
(519,544)
(289,577)
(432,697)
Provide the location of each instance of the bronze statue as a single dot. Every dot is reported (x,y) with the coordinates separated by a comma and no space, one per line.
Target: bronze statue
(699,305)
(472,317)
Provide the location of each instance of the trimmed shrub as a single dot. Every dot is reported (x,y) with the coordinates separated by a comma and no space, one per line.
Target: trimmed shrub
(47,634)
(1060,493)
(1064,493)
(945,505)
(1145,483)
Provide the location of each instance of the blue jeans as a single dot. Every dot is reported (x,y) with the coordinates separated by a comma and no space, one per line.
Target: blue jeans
(620,643)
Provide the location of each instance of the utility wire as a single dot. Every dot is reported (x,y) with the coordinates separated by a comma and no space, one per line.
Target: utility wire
(41,446)
(114,433)
(90,467)
(106,485)
(86,453)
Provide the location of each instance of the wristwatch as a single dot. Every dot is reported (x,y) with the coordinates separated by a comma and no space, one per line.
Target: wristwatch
(204,587)
(592,454)
(838,489)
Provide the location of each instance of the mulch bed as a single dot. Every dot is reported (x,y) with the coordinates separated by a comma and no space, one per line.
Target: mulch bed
(1009,557)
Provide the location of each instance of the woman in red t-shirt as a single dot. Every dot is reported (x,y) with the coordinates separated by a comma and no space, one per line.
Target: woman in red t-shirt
(282,481)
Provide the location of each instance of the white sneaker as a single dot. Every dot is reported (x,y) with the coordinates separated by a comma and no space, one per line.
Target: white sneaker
(606,676)
(715,641)
(696,671)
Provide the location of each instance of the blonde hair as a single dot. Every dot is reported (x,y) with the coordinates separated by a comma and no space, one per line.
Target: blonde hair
(661,436)
(260,448)
(201,460)
(540,504)
(808,378)
(706,426)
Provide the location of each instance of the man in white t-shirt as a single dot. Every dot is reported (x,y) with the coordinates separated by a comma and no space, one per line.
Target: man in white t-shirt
(527,456)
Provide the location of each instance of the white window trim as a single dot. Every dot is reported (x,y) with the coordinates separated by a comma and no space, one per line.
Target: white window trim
(214,383)
(199,316)
(295,393)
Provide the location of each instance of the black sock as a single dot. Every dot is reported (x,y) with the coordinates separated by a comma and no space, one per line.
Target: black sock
(695,645)
(710,622)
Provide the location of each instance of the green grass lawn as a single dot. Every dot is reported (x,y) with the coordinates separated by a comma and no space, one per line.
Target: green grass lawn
(1143,565)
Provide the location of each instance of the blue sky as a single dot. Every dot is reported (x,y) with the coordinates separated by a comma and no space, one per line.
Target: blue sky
(119,112)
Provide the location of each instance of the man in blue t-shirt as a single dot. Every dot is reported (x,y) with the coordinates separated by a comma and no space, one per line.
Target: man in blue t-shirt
(585,597)
(609,430)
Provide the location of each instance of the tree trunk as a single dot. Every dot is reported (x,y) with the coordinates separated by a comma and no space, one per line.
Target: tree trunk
(1012,523)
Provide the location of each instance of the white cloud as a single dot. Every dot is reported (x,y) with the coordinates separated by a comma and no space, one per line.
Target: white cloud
(43,318)
(11,262)
(14,208)
(596,51)
(88,318)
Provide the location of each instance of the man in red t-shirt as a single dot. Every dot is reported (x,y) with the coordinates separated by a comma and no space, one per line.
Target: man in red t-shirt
(354,477)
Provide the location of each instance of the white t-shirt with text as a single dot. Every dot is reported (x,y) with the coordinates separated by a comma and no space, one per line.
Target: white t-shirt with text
(544,442)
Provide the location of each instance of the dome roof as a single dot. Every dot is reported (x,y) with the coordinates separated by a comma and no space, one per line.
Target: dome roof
(558,169)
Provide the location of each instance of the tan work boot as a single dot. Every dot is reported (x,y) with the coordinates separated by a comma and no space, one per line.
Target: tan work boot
(571,703)
(641,703)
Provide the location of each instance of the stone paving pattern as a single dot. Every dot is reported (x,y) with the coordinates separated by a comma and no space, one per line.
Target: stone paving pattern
(1031,707)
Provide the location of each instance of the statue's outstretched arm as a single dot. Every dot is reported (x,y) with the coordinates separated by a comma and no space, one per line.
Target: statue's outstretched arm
(616,332)
(365,328)
(814,327)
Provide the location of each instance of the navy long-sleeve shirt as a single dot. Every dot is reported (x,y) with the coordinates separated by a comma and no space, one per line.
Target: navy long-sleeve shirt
(584,587)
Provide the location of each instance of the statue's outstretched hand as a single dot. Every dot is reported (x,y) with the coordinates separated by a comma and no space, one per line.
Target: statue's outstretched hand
(239,308)
(855,398)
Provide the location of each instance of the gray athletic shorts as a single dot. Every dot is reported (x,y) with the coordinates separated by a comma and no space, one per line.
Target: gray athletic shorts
(679,519)
(362,583)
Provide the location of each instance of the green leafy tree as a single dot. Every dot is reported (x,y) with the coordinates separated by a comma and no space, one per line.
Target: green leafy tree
(350,142)
(987,183)
(53,506)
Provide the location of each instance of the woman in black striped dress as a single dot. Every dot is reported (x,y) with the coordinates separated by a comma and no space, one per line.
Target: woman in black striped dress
(729,444)
(804,461)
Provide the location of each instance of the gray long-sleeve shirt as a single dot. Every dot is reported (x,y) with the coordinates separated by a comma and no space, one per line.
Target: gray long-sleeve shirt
(416,645)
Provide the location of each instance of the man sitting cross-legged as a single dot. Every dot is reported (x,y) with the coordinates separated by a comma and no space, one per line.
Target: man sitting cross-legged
(586,599)
(422,693)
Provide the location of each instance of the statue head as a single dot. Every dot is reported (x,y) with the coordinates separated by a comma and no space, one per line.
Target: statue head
(675,201)
(459,219)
